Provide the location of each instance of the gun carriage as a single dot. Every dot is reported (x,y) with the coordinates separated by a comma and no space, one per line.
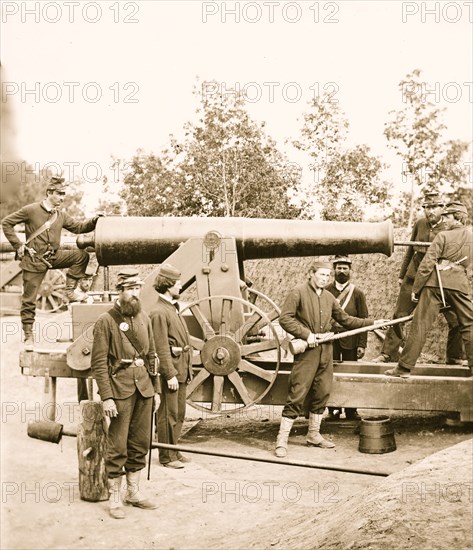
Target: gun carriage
(241,355)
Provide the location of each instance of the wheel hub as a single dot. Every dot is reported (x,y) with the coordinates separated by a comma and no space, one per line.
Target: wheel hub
(220,355)
(45,289)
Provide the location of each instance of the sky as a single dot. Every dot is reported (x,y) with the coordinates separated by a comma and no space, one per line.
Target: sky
(88,80)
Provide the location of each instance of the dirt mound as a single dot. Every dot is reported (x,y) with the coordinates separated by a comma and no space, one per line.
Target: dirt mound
(427,505)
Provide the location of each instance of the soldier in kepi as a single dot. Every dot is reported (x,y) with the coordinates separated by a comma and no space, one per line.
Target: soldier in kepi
(352,300)
(425,230)
(44,222)
(307,313)
(175,362)
(442,283)
(124,364)
(81,292)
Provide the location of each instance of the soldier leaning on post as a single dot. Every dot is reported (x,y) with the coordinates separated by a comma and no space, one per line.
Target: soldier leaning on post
(441,281)
(124,364)
(307,313)
(175,362)
(44,222)
(425,230)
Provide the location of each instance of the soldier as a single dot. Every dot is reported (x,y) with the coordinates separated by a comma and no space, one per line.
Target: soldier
(307,313)
(123,364)
(43,225)
(353,301)
(442,280)
(424,230)
(175,362)
(81,292)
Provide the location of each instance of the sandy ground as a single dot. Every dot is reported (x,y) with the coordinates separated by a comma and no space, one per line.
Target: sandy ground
(231,504)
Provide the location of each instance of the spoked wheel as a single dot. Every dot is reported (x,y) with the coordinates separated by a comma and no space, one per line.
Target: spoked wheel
(262,301)
(234,334)
(50,293)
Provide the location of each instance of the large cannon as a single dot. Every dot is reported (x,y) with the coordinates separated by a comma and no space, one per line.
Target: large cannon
(236,340)
(238,345)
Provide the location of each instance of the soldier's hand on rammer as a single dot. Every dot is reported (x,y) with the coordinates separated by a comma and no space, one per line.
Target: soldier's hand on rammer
(414,297)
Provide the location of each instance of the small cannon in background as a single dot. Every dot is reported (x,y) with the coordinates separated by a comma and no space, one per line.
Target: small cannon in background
(238,344)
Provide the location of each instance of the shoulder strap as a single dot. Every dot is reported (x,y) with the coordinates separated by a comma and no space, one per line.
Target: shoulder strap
(46,225)
(129,333)
(348,292)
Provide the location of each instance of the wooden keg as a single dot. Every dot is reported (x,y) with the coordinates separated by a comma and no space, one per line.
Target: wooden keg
(376,435)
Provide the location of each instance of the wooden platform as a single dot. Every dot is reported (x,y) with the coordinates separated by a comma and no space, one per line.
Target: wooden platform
(356,384)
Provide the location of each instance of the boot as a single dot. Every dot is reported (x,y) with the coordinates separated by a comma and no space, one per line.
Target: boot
(29,339)
(116,507)
(382,358)
(313,435)
(71,284)
(283,436)
(399,371)
(133,495)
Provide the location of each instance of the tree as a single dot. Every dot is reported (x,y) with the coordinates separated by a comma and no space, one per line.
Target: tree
(31,187)
(415,133)
(225,165)
(150,187)
(351,185)
(347,181)
(323,132)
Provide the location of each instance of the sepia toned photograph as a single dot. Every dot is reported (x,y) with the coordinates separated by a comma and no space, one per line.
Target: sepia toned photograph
(236,256)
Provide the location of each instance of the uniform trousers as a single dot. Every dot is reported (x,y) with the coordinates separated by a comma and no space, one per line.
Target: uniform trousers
(76,260)
(405,306)
(171,414)
(129,435)
(311,377)
(425,314)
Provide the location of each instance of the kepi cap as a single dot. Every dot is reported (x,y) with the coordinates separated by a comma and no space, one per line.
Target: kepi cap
(341,260)
(432,198)
(453,207)
(169,271)
(56,184)
(128,277)
(320,265)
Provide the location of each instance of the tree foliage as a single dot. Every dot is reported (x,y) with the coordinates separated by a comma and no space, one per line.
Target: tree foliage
(351,184)
(31,186)
(415,133)
(347,180)
(225,165)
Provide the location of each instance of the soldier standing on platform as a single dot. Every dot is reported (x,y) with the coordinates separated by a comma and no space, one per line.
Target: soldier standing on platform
(44,222)
(425,230)
(124,366)
(441,281)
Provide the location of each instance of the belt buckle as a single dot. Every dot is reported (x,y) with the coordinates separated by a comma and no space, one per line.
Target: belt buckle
(139,362)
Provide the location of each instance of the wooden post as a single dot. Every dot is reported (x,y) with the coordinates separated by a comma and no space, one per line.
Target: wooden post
(91,445)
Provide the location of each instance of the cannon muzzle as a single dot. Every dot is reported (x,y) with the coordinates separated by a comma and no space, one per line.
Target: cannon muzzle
(147,240)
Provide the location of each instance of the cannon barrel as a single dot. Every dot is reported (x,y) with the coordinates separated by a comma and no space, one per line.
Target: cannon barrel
(147,240)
